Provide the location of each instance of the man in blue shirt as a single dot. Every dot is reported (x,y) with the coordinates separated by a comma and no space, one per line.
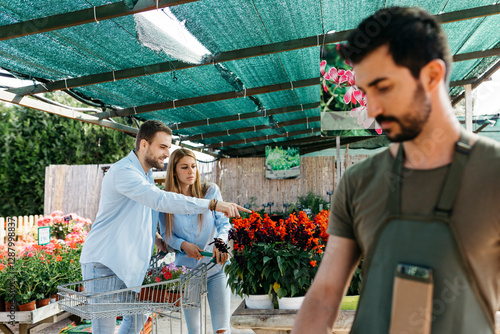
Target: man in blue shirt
(121,240)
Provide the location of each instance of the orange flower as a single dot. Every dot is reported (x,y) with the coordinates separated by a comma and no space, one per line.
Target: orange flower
(313,263)
(71,261)
(58,258)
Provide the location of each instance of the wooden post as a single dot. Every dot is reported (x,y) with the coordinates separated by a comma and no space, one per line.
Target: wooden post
(339,163)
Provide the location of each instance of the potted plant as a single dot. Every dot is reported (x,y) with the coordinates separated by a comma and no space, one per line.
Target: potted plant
(25,282)
(61,225)
(3,283)
(276,258)
(156,290)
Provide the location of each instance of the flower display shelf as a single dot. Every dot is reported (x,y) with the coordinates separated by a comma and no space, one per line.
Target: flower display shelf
(28,320)
(279,321)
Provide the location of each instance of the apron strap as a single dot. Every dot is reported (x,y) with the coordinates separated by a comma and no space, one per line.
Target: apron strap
(444,206)
(395,179)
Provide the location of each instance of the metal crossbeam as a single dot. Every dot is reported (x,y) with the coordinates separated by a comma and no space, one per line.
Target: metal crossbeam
(253,128)
(83,16)
(240,117)
(209,98)
(62,111)
(476,54)
(477,82)
(267,137)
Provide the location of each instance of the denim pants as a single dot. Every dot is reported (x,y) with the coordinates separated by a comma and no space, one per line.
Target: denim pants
(219,299)
(107,325)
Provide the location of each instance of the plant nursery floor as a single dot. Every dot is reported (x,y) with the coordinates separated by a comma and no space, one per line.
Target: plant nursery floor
(163,324)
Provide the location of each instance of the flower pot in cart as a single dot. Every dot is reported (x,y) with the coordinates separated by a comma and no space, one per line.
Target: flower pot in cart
(42,302)
(160,296)
(31,306)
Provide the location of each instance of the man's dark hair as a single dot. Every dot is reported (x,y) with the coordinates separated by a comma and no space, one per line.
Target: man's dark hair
(148,131)
(413,35)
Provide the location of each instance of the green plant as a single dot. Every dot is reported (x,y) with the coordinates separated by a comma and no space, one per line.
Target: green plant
(296,269)
(25,279)
(279,158)
(312,201)
(245,273)
(31,140)
(356,281)
(277,258)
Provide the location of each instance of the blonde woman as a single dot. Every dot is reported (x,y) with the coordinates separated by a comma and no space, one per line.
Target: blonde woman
(192,233)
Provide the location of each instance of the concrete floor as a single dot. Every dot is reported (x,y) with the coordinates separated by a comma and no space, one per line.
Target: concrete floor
(163,326)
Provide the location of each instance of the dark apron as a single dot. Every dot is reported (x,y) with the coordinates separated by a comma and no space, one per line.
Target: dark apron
(457,306)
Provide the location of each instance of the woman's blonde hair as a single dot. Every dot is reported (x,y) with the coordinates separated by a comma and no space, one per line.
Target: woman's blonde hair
(172,184)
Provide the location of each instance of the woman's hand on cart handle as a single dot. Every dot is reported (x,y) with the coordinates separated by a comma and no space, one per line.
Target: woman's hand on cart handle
(230,209)
(192,250)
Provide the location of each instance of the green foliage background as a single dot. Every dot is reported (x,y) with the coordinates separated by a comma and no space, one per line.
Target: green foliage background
(31,139)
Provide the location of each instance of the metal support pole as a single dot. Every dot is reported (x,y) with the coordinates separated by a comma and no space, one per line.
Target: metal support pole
(339,163)
(468,107)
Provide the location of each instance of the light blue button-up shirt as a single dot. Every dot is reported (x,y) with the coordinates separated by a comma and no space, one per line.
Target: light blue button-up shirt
(122,235)
(185,228)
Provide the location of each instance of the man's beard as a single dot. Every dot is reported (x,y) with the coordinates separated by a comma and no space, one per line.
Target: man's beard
(413,121)
(153,161)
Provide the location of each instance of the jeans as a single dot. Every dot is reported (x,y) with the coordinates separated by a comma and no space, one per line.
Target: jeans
(219,299)
(107,325)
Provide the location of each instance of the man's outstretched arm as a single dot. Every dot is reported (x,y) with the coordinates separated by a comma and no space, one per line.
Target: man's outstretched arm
(322,303)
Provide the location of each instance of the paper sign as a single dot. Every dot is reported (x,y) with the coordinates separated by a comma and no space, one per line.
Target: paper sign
(43,235)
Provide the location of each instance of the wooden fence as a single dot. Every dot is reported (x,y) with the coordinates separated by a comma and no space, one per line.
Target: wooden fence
(77,188)
(243,178)
(21,224)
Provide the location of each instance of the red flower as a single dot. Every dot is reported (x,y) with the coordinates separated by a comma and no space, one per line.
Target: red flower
(313,263)
(157,279)
(167,275)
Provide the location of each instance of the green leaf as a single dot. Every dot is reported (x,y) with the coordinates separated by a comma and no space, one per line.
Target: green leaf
(281,292)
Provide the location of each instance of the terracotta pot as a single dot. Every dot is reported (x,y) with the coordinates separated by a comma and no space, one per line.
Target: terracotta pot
(8,305)
(160,296)
(31,306)
(42,302)
(54,298)
(2,305)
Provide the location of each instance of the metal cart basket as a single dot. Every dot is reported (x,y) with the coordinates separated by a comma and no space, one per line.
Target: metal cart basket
(99,298)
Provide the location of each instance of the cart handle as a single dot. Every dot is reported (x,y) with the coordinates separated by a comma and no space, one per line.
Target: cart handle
(208,254)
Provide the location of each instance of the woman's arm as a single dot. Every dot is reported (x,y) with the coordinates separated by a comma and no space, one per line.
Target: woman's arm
(221,223)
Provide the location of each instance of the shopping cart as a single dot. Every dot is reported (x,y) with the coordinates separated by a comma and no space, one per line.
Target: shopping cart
(98,298)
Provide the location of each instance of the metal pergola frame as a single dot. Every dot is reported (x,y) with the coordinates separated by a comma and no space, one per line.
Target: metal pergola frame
(106,12)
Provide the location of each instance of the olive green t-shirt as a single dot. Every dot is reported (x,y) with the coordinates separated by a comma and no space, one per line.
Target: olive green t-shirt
(360,207)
